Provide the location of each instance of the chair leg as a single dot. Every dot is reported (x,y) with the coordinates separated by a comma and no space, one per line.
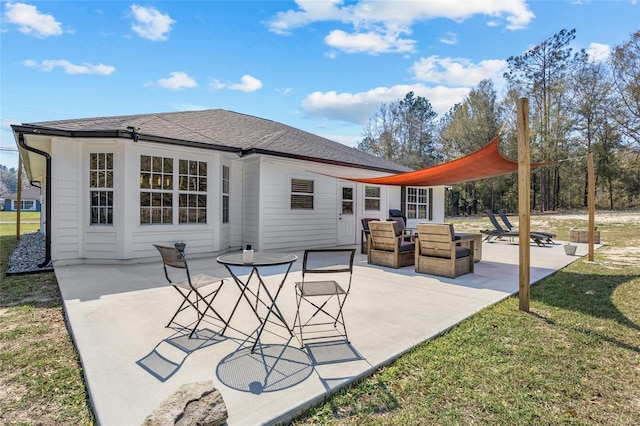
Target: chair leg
(208,307)
(196,305)
(182,307)
(338,317)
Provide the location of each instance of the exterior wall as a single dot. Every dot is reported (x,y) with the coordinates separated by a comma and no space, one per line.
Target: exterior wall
(438,204)
(75,238)
(65,229)
(260,198)
(283,228)
(252,218)
(200,238)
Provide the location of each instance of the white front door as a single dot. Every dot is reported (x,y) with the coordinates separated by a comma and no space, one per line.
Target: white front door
(346,213)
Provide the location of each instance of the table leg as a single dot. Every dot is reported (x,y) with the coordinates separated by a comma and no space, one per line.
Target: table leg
(273,306)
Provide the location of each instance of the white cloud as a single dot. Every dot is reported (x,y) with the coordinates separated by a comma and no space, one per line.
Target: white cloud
(359,107)
(449,38)
(369,42)
(386,21)
(178,80)
(598,52)
(285,91)
(30,21)
(247,84)
(456,71)
(311,11)
(150,23)
(49,64)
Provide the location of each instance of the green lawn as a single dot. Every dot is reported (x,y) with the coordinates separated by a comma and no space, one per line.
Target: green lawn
(41,379)
(573,359)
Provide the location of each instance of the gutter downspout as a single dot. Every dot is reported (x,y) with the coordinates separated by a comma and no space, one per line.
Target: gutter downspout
(47,221)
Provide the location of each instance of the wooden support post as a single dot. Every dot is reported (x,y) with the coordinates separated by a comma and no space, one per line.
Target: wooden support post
(19,199)
(591,197)
(524,190)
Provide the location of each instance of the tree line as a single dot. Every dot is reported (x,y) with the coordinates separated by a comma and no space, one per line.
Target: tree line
(9,181)
(577,106)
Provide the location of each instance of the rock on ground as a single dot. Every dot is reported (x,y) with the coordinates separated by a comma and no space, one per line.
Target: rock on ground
(192,404)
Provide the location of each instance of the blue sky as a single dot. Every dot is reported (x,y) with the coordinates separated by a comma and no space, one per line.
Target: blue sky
(321,66)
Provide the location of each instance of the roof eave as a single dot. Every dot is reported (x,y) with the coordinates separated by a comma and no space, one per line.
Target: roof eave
(319,160)
(117,133)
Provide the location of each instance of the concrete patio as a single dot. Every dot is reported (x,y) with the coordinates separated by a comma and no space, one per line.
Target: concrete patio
(131,362)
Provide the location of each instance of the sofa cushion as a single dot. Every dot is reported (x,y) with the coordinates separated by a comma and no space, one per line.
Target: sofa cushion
(407,246)
(462,252)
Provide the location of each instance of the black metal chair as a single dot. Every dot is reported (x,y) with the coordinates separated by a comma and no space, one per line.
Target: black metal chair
(498,232)
(326,293)
(548,235)
(191,288)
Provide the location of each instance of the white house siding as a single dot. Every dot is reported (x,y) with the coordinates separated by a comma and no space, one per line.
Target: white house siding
(65,204)
(438,204)
(252,217)
(286,229)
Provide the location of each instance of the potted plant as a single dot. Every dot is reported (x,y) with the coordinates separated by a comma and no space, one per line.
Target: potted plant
(570,249)
(180,245)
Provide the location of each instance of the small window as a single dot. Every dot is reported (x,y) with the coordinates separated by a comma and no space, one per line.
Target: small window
(347,200)
(372,198)
(101,188)
(301,194)
(28,205)
(226,185)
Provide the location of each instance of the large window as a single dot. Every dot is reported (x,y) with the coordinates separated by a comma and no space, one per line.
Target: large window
(419,203)
(301,194)
(372,198)
(156,190)
(159,195)
(192,177)
(226,184)
(101,188)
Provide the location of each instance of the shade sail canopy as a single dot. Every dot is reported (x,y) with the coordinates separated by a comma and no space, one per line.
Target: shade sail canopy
(483,163)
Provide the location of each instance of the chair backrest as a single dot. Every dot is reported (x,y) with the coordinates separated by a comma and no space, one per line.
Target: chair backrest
(397,213)
(505,219)
(365,222)
(171,256)
(436,239)
(328,261)
(174,258)
(400,225)
(383,235)
(494,221)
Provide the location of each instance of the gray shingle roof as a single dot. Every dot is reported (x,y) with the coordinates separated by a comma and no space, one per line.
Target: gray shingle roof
(29,193)
(234,130)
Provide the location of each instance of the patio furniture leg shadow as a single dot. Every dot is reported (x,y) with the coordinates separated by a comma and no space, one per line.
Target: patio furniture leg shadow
(330,353)
(166,358)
